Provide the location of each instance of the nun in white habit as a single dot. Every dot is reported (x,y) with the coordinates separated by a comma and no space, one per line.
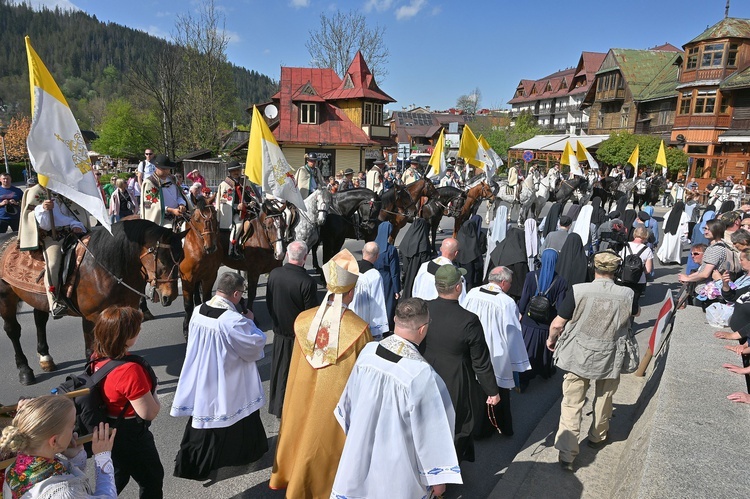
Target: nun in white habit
(675,231)
(496,234)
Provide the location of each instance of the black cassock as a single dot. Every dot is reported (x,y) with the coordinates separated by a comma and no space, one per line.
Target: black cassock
(290,290)
(415,249)
(455,347)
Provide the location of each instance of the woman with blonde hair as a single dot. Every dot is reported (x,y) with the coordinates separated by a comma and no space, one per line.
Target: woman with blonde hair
(49,462)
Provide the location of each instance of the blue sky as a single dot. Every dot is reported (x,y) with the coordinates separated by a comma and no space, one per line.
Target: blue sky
(440,49)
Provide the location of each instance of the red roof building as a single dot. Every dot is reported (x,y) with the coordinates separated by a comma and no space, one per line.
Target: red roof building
(340,120)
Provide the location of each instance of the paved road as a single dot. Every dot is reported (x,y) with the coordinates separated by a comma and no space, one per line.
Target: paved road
(162,343)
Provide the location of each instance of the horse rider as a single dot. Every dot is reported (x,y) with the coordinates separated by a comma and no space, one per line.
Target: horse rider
(308,177)
(617,172)
(46,222)
(375,177)
(233,208)
(451,178)
(411,174)
(513,181)
(641,183)
(553,176)
(348,183)
(162,200)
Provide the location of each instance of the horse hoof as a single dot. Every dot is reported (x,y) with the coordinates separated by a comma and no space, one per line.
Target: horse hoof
(47,364)
(148,316)
(26,377)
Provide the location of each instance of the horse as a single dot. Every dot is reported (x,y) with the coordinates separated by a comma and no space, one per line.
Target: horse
(422,188)
(651,196)
(449,202)
(606,190)
(199,267)
(397,206)
(113,270)
(263,246)
(354,215)
(505,193)
(307,225)
(567,189)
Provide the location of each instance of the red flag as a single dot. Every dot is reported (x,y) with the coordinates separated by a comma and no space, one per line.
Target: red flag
(665,314)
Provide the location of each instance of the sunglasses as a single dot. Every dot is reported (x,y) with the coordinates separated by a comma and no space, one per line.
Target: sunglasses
(696,254)
(149,154)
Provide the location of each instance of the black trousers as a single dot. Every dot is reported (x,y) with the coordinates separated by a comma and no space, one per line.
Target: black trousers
(134,455)
(4,224)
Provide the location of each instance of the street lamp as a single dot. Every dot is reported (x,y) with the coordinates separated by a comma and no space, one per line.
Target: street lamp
(3,129)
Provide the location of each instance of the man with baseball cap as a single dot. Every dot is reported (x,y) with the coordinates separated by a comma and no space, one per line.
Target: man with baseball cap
(594,317)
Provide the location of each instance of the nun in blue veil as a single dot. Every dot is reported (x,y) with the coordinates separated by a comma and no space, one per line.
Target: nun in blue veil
(389,266)
(535,333)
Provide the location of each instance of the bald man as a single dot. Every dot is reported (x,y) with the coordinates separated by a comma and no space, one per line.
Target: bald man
(369,298)
(424,282)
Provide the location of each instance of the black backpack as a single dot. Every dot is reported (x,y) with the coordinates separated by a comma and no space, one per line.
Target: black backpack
(632,266)
(540,308)
(90,407)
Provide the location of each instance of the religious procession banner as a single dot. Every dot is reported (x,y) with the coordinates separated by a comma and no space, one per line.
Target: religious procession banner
(266,165)
(497,161)
(437,160)
(661,156)
(55,143)
(472,151)
(570,159)
(584,155)
(633,159)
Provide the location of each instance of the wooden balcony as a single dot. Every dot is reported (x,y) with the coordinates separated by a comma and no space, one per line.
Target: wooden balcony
(611,95)
(698,121)
(705,74)
(377,131)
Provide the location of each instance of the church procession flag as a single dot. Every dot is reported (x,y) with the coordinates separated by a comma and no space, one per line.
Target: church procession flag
(497,161)
(582,154)
(472,151)
(633,160)
(661,156)
(55,144)
(266,165)
(437,159)
(570,159)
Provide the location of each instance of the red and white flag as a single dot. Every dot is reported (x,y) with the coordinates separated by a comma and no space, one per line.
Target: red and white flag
(665,315)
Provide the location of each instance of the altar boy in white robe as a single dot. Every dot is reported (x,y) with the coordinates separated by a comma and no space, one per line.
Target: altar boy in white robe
(424,282)
(393,391)
(369,300)
(220,387)
(498,314)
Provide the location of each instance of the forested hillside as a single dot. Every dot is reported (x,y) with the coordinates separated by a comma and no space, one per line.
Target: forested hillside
(94,63)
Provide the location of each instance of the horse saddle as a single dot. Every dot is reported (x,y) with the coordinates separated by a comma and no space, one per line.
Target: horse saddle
(25,269)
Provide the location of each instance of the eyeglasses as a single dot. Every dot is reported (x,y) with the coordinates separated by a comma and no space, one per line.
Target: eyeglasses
(696,254)
(98,174)
(425,324)
(149,154)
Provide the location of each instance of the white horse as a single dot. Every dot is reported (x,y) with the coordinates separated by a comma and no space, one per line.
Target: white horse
(525,199)
(306,227)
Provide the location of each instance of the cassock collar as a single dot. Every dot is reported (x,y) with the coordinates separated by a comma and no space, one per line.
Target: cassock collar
(364,266)
(446,300)
(294,267)
(400,347)
(491,289)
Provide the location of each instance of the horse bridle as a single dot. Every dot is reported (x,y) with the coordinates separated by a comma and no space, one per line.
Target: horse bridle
(208,228)
(272,242)
(154,250)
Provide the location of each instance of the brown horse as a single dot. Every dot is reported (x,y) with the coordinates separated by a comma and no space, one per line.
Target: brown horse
(199,268)
(263,249)
(476,194)
(113,270)
(405,209)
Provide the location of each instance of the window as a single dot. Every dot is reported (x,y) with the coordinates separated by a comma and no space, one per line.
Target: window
(697,149)
(377,114)
(692,58)
(705,102)
(600,120)
(725,103)
(599,84)
(624,117)
(732,55)
(712,55)
(685,101)
(367,118)
(308,113)
(620,81)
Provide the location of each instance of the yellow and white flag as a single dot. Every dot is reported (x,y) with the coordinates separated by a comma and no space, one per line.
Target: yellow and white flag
(437,160)
(661,156)
(633,160)
(266,165)
(497,161)
(56,147)
(472,151)
(583,155)
(569,158)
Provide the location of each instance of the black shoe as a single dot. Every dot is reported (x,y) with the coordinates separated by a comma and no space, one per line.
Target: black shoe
(59,310)
(235,255)
(567,466)
(596,445)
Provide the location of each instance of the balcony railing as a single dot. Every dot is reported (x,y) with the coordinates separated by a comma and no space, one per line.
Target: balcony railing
(377,131)
(610,95)
(705,74)
(709,121)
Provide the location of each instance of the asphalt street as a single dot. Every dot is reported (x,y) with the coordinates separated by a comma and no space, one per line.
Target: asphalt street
(162,344)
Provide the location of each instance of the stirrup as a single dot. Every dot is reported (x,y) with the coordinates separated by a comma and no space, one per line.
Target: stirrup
(59,310)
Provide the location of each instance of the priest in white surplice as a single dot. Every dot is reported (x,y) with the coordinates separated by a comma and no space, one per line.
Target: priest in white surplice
(398,418)
(424,282)
(220,387)
(369,300)
(498,314)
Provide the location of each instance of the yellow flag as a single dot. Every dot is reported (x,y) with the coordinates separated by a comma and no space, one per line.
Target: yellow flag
(266,165)
(437,159)
(583,155)
(633,160)
(55,143)
(567,155)
(661,156)
(471,150)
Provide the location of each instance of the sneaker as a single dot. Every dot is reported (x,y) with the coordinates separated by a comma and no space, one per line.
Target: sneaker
(596,445)
(59,310)
(567,466)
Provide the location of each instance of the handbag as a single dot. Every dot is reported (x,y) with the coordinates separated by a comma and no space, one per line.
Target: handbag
(631,356)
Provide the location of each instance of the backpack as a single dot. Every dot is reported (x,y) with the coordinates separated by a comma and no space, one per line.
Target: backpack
(540,308)
(90,407)
(732,263)
(632,266)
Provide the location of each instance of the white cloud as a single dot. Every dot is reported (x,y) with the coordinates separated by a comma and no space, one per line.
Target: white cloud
(266,51)
(436,10)
(50,4)
(408,11)
(164,14)
(156,31)
(233,36)
(298,4)
(379,5)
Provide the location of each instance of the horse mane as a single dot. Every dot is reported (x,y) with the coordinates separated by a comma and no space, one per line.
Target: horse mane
(200,204)
(117,251)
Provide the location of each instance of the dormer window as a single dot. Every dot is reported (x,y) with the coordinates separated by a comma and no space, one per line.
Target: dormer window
(712,55)
(732,55)
(692,58)
(308,113)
